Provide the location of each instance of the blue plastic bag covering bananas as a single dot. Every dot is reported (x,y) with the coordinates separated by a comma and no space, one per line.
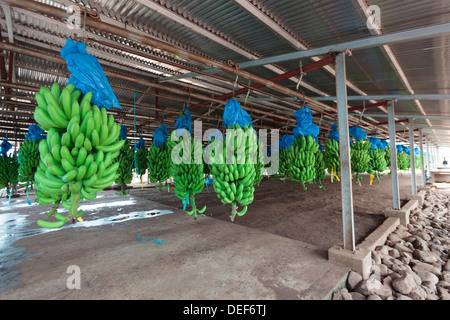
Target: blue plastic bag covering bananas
(87,75)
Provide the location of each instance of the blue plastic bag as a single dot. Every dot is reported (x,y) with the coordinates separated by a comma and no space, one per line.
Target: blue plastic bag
(416,151)
(286,141)
(87,75)
(400,148)
(34,132)
(334,133)
(305,126)
(383,144)
(5,147)
(357,133)
(139,145)
(375,143)
(123,132)
(183,122)
(234,114)
(160,135)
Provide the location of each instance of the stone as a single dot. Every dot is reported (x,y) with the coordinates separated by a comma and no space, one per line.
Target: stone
(383,251)
(422,266)
(353,279)
(373,286)
(357,296)
(403,297)
(373,297)
(394,253)
(431,296)
(417,293)
(444,284)
(430,286)
(376,258)
(445,276)
(342,294)
(425,256)
(400,247)
(427,276)
(379,269)
(404,284)
(443,293)
(394,237)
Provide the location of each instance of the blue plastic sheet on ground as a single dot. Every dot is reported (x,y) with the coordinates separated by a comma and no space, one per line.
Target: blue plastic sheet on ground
(183,122)
(233,114)
(87,75)
(375,143)
(160,135)
(5,147)
(357,133)
(305,126)
(334,133)
(35,132)
(286,141)
(140,144)
(123,132)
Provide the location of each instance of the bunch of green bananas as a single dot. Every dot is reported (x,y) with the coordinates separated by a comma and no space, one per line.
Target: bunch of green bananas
(417,161)
(234,177)
(359,154)
(125,162)
(188,178)
(403,161)
(77,157)
(332,158)
(283,164)
(28,160)
(320,168)
(141,161)
(159,164)
(301,159)
(387,156)
(9,172)
(377,163)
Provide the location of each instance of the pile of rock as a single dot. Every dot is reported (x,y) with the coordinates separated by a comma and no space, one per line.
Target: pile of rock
(414,263)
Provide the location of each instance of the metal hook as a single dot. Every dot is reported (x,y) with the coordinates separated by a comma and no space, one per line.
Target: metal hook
(248,93)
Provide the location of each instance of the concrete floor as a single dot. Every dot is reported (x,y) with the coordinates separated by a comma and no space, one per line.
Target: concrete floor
(201,259)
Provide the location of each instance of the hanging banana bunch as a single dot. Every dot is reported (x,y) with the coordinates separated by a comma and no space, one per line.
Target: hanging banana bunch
(125,170)
(28,160)
(403,160)
(359,154)
(159,161)
(234,177)
(284,142)
(377,163)
(9,172)
(332,159)
(77,156)
(319,167)
(301,157)
(141,158)
(188,178)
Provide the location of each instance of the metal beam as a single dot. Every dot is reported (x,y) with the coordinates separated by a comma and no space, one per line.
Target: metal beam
(344,150)
(412,157)
(431,96)
(393,151)
(402,116)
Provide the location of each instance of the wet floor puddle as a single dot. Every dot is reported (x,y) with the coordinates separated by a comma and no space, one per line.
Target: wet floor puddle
(15,226)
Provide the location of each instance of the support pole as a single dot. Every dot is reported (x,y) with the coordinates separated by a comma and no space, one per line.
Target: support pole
(438,160)
(422,163)
(344,149)
(428,157)
(393,150)
(412,157)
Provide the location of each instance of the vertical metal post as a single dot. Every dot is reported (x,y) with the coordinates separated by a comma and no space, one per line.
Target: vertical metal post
(344,150)
(393,150)
(428,157)
(438,160)
(412,157)
(422,163)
